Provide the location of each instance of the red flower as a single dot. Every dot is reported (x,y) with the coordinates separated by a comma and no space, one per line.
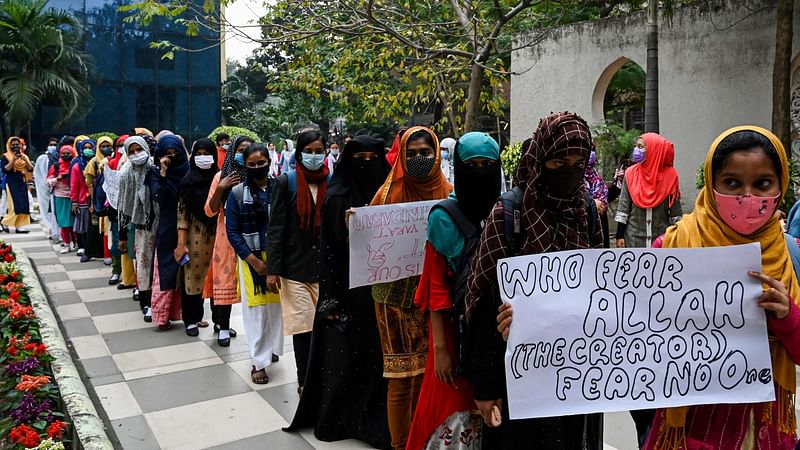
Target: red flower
(12,350)
(56,429)
(9,258)
(25,436)
(40,350)
(14,295)
(21,312)
(15,275)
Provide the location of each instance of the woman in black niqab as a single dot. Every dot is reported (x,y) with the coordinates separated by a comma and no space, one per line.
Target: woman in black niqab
(345,393)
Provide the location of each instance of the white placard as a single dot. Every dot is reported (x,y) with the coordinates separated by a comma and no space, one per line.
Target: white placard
(387,242)
(622,329)
(111,185)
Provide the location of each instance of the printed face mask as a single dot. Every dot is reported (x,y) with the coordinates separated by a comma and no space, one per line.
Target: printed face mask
(139,159)
(239,158)
(313,162)
(419,166)
(638,155)
(204,161)
(592,158)
(745,214)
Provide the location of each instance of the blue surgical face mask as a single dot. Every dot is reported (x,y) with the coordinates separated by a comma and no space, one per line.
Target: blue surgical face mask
(239,158)
(313,162)
(638,155)
(445,154)
(52,149)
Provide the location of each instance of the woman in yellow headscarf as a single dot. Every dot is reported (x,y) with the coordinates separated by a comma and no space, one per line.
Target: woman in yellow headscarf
(17,170)
(746,175)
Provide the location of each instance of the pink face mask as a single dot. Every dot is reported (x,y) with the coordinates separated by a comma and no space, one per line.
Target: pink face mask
(745,214)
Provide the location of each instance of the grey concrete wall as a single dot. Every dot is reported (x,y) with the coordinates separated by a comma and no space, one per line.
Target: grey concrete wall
(715,72)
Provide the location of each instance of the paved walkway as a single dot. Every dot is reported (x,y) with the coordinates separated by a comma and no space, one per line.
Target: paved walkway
(166,390)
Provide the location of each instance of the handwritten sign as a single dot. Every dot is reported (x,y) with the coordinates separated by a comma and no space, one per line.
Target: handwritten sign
(387,242)
(111,185)
(615,330)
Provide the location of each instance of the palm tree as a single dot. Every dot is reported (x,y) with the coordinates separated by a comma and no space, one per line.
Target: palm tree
(41,60)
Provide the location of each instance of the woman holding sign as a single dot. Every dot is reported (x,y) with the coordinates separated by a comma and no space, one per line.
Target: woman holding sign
(416,176)
(746,176)
(345,393)
(446,403)
(553,217)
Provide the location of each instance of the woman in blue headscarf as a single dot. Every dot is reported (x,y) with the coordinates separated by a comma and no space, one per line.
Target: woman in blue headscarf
(172,164)
(446,400)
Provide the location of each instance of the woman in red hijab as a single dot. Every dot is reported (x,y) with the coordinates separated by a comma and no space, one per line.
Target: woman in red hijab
(650,198)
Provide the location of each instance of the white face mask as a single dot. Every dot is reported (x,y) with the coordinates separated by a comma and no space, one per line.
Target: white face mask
(204,161)
(138,159)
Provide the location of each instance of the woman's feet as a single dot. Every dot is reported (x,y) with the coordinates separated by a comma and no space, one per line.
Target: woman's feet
(192,330)
(65,249)
(148,314)
(114,279)
(20,231)
(165,326)
(202,324)
(5,229)
(231,330)
(126,286)
(259,376)
(85,258)
(275,358)
(80,252)
(108,261)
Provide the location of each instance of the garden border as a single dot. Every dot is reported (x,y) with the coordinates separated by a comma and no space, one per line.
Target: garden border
(86,422)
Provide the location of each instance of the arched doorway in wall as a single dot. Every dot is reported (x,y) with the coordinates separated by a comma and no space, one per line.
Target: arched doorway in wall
(618,113)
(619,95)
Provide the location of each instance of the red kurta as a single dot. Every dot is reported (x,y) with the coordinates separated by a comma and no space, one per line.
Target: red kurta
(437,401)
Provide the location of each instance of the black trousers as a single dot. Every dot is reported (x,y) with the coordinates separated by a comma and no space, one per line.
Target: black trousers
(302,349)
(191,308)
(144,299)
(221,315)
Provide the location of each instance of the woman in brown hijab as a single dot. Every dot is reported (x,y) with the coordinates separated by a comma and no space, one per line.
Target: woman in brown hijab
(553,218)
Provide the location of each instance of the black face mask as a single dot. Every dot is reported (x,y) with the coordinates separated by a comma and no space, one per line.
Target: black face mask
(369,176)
(66,157)
(106,151)
(257,173)
(562,182)
(477,188)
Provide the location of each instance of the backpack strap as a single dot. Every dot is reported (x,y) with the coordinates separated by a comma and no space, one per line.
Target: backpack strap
(450,206)
(512,217)
(591,208)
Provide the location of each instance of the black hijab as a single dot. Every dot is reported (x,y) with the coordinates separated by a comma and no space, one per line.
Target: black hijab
(194,187)
(357,177)
(230,165)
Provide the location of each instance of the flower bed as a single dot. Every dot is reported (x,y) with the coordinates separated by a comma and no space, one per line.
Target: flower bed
(28,395)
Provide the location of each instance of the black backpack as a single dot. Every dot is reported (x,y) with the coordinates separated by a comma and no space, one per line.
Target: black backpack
(458,288)
(512,215)
(100,197)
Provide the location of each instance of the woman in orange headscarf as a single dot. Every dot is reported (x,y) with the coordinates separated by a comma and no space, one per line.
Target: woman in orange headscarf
(746,176)
(416,176)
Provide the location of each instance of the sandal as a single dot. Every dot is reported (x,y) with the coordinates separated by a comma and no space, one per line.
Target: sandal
(256,378)
(275,358)
(165,326)
(202,324)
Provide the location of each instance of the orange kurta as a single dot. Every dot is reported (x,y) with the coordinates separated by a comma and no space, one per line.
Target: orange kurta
(223,262)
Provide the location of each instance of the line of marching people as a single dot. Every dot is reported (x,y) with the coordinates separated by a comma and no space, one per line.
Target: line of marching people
(418,363)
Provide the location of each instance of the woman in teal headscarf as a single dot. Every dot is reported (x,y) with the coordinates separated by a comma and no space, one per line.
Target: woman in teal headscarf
(446,400)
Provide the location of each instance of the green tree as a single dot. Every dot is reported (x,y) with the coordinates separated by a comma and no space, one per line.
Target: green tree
(40,60)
